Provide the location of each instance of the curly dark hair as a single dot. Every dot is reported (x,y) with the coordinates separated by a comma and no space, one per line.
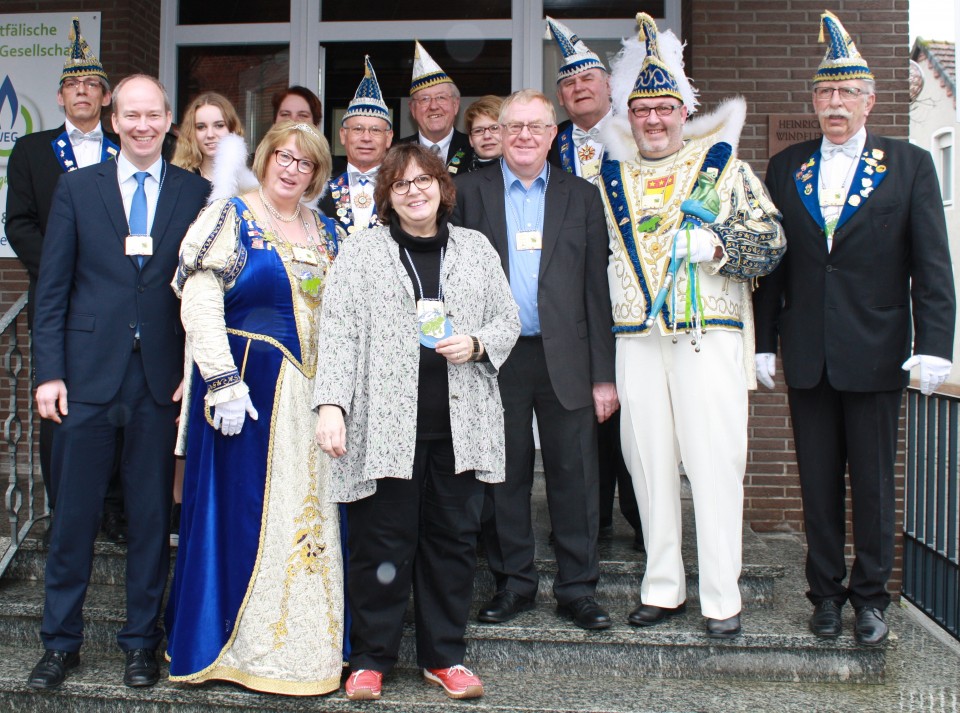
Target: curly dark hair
(395,164)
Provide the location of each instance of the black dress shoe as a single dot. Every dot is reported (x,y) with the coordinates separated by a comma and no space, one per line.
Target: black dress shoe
(142,668)
(52,669)
(728,628)
(503,607)
(113,526)
(649,615)
(638,541)
(870,630)
(586,613)
(825,621)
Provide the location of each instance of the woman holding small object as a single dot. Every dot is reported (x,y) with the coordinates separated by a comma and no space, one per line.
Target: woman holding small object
(418,317)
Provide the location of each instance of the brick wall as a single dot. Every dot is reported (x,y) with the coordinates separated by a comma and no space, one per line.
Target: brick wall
(768,53)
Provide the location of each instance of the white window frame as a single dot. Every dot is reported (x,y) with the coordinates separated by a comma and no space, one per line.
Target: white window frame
(306,35)
(937,150)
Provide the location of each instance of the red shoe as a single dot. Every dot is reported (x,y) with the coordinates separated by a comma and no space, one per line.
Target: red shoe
(457,681)
(364,685)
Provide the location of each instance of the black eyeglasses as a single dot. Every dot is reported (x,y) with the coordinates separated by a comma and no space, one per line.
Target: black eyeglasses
(304,165)
(642,112)
(422,182)
(479,131)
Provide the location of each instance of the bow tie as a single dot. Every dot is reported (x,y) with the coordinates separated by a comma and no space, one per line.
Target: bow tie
(364,178)
(828,150)
(78,137)
(580,137)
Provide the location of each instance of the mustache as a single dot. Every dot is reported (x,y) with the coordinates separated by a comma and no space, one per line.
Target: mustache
(835,112)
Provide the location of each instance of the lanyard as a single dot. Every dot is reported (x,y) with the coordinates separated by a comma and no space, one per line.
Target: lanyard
(417,275)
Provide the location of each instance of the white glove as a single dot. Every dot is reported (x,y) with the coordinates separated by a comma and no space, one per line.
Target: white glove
(701,246)
(766,369)
(933,371)
(229,415)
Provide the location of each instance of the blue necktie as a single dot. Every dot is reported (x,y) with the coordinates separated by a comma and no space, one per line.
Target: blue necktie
(138,210)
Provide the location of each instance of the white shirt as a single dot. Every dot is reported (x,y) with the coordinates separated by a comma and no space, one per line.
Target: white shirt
(86,152)
(596,155)
(361,216)
(443,143)
(128,186)
(836,175)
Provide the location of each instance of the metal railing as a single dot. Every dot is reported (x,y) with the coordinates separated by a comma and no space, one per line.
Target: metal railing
(931,527)
(19,498)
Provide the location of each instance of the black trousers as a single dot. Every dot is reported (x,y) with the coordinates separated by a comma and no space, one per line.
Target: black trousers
(834,429)
(84,452)
(568,444)
(614,476)
(423,532)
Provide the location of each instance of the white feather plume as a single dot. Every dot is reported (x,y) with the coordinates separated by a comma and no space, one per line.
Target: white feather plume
(671,52)
(231,177)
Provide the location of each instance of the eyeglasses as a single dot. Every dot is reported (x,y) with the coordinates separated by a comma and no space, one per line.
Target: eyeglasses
(642,112)
(441,99)
(537,128)
(479,131)
(88,84)
(375,131)
(847,94)
(422,182)
(304,165)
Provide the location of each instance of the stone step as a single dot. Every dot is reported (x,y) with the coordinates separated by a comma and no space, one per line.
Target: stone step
(621,569)
(775,645)
(96,686)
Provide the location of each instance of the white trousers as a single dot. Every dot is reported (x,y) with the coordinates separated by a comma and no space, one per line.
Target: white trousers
(681,405)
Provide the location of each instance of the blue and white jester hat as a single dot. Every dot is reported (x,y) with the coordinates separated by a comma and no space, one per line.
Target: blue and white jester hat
(577,57)
(842,60)
(368,101)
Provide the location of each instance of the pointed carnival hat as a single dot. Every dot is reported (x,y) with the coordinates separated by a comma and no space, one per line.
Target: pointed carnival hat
(660,60)
(842,60)
(368,101)
(82,62)
(426,72)
(577,57)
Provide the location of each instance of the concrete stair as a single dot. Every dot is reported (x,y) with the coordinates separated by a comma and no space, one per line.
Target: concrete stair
(583,671)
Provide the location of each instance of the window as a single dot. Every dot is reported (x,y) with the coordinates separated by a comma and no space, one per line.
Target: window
(943,158)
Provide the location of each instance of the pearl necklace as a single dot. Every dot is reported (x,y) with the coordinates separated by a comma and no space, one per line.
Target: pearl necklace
(274,212)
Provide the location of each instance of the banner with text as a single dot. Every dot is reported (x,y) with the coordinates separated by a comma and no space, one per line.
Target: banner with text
(33,48)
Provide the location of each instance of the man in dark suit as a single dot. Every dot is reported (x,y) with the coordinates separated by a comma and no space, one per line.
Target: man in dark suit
(550,233)
(36,163)
(583,90)
(109,347)
(434,104)
(366,132)
(867,238)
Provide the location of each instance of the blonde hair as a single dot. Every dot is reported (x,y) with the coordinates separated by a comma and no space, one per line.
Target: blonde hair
(188,154)
(488,105)
(526,96)
(309,142)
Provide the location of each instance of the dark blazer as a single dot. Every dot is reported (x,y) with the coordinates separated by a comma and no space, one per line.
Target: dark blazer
(459,143)
(849,310)
(572,292)
(32,172)
(91,296)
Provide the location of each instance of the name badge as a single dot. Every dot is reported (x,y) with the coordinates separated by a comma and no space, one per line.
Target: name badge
(139,245)
(529,240)
(433,322)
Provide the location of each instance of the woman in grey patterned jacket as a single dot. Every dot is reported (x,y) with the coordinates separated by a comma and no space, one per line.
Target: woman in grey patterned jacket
(417,318)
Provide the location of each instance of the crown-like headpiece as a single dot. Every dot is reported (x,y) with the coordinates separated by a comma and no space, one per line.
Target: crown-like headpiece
(368,101)
(82,62)
(577,57)
(842,60)
(426,72)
